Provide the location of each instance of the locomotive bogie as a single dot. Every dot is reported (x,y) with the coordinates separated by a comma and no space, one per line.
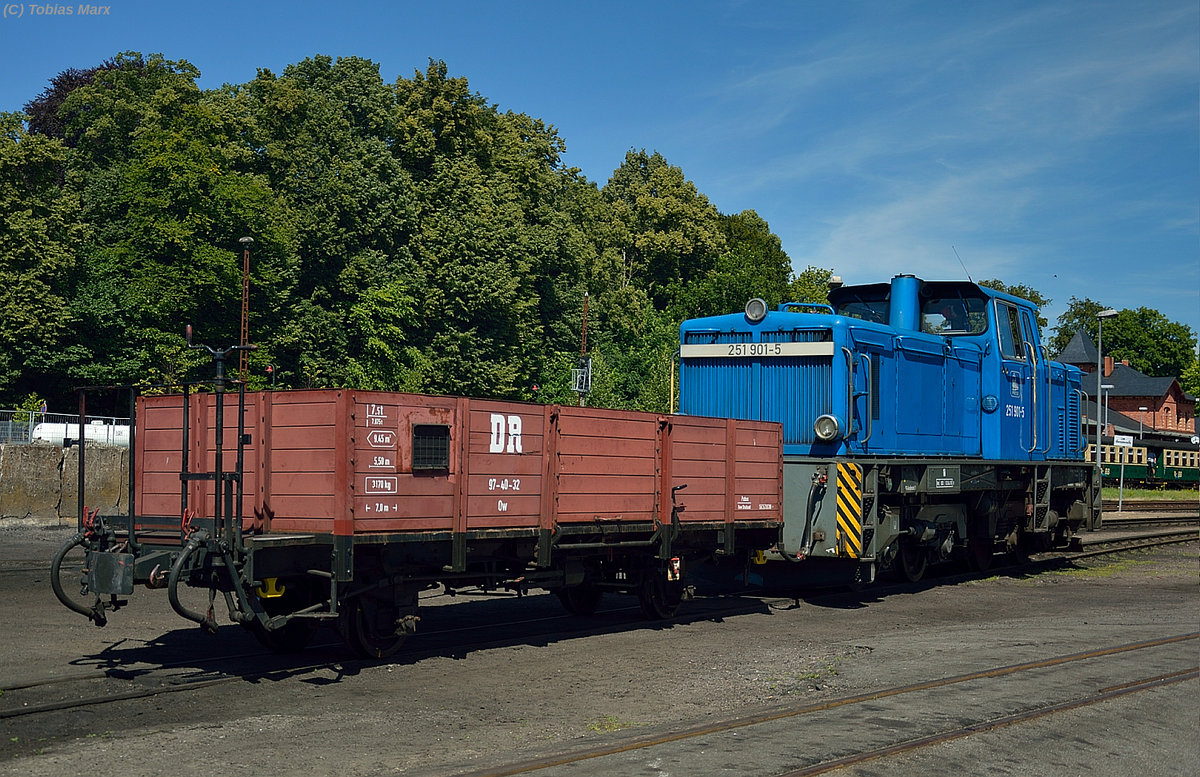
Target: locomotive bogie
(869,511)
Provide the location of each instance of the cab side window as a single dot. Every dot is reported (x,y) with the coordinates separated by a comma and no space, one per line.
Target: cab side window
(1030,335)
(1008,329)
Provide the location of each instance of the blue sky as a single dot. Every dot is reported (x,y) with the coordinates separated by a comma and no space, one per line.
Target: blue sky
(1055,144)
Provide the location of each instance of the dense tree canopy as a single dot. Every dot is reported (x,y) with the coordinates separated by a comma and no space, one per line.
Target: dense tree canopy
(406,236)
(1148,340)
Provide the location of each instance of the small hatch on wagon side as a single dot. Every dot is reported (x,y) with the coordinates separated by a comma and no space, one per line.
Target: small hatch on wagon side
(430,448)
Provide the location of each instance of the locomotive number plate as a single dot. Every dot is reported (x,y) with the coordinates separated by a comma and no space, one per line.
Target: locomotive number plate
(727,350)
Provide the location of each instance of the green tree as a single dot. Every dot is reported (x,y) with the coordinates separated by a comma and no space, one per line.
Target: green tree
(1189,379)
(811,285)
(1148,340)
(407,236)
(45,113)
(484,325)
(39,228)
(349,294)
(1080,315)
(671,234)
(1024,292)
(753,265)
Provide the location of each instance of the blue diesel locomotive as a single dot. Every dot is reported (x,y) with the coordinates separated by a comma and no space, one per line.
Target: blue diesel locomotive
(921,421)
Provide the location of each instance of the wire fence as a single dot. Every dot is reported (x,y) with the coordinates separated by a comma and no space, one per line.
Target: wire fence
(27,426)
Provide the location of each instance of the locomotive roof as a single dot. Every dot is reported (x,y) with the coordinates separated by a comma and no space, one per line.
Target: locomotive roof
(928,288)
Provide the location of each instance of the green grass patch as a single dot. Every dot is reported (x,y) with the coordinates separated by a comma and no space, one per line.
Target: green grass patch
(1101,569)
(609,723)
(1157,494)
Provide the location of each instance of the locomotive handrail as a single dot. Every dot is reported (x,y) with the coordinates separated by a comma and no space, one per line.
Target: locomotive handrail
(849,390)
(1033,411)
(1049,372)
(815,305)
(1083,440)
(851,361)
(870,403)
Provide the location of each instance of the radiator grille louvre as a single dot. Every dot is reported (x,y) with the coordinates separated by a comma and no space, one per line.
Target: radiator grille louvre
(790,390)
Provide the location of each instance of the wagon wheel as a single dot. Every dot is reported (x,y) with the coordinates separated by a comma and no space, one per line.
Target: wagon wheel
(372,627)
(659,597)
(580,599)
(292,637)
(913,561)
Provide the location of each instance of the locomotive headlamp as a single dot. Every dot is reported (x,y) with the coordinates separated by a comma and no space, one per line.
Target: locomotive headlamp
(827,428)
(756,310)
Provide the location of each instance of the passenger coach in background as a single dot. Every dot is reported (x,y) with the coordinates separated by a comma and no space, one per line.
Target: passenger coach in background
(1148,462)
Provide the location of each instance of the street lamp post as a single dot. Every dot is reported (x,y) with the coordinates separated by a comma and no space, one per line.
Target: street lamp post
(1107,387)
(1103,314)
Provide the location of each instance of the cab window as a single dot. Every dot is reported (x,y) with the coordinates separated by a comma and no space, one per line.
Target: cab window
(1030,336)
(1008,329)
(954,315)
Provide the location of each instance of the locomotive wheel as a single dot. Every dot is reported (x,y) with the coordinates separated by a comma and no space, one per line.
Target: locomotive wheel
(659,597)
(913,561)
(369,626)
(1018,547)
(580,599)
(979,553)
(980,545)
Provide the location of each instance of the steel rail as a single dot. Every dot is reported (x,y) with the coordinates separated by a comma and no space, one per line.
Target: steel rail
(942,737)
(643,743)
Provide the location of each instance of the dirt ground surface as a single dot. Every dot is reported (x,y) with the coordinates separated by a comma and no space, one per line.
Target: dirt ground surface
(491,681)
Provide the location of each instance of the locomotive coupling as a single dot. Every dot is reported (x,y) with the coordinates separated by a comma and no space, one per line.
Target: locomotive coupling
(157,578)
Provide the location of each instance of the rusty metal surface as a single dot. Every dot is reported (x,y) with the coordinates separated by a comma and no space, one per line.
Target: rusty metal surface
(341,462)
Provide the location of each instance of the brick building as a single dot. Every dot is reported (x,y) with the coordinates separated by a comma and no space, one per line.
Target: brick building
(1136,402)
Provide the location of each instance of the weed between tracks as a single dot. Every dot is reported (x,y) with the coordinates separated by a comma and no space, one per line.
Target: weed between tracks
(1107,569)
(805,681)
(610,723)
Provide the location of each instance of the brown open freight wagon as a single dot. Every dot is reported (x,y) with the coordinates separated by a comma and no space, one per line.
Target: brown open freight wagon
(340,506)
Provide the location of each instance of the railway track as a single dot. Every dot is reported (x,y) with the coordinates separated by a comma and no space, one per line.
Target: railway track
(1151,506)
(81,690)
(658,746)
(1129,523)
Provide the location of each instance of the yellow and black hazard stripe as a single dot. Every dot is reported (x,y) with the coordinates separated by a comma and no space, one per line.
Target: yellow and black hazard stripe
(849,510)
